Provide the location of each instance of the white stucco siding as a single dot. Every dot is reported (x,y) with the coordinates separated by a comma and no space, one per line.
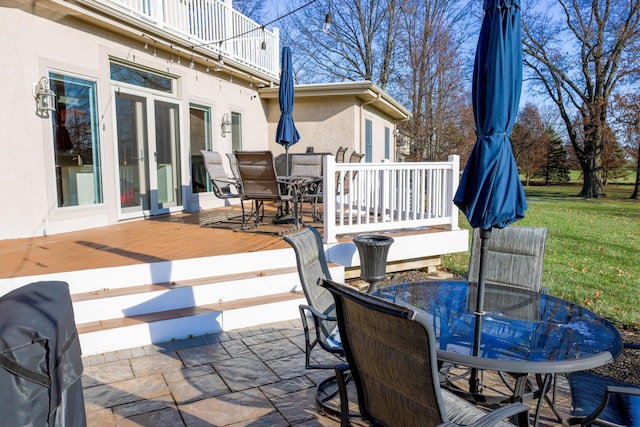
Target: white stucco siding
(37,41)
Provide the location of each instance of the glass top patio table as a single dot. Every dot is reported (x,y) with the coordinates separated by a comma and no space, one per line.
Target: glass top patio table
(522,331)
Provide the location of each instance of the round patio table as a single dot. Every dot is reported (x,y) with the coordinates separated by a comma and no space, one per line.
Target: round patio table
(523,332)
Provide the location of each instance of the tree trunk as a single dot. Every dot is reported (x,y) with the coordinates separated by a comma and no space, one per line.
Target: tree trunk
(636,189)
(592,183)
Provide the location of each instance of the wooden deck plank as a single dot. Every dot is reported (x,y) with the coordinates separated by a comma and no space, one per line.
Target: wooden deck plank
(179,236)
(167,238)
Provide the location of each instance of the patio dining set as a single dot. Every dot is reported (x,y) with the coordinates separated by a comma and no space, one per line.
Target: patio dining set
(259,177)
(408,349)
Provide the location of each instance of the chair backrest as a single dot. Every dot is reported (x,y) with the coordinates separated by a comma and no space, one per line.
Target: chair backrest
(391,351)
(343,188)
(222,185)
(233,162)
(356,157)
(258,175)
(515,256)
(213,164)
(312,265)
(306,165)
(340,154)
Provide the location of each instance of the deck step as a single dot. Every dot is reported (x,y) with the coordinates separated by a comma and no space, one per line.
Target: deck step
(137,315)
(134,331)
(151,298)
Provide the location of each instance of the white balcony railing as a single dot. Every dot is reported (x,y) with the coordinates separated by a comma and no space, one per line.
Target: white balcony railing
(385,196)
(210,25)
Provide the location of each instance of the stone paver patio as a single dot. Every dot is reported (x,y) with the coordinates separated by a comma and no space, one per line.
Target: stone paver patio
(253,377)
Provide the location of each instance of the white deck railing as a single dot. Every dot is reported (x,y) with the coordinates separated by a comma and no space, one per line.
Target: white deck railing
(385,196)
(211,25)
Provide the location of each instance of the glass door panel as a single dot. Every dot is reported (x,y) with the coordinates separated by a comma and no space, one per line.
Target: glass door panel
(167,155)
(133,167)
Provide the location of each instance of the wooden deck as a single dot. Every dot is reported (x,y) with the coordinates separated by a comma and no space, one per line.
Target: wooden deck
(166,238)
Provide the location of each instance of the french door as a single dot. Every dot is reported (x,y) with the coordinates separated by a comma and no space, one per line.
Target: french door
(148,151)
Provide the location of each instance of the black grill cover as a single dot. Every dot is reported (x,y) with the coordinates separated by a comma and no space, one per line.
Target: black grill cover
(40,358)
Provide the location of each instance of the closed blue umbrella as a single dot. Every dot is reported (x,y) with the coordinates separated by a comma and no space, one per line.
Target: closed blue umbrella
(490,192)
(286,134)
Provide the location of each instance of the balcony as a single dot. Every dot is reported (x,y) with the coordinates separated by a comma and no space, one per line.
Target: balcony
(210,27)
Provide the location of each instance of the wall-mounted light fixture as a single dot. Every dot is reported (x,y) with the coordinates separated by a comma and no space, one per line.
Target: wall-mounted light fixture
(225,125)
(45,97)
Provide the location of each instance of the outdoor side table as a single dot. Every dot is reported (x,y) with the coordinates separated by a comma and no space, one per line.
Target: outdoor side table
(40,358)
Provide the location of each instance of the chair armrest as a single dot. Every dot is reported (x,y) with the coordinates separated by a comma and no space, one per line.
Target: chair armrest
(493,417)
(611,390)
(316,313)
(226,180)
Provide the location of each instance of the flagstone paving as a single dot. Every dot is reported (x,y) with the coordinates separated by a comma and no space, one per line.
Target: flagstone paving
(248,377)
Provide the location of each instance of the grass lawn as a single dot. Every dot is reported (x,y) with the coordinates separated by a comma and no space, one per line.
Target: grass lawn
(593,248)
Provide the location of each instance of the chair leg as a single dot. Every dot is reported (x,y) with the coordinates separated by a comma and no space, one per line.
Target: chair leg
(342,376)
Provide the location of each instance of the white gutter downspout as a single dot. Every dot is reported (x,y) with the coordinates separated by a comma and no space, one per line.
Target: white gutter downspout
(364,104)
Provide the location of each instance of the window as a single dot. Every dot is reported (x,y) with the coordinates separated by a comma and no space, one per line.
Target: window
(368,140)
(76,145)
(142,78)
(236,131)
(387,143)
(200,131)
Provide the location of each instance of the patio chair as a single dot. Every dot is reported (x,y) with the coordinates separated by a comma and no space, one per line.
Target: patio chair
(391,355)
(601,401)
(260,184)
(343,187)
(320,307)
(356,157)
(340,154)
(223,186)
(515,257)
(233,162)
(309,165)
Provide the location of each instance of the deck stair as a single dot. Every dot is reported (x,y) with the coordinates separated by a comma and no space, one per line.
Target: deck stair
(132,306)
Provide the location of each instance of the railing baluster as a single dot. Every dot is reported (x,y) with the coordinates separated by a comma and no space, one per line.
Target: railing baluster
(385,196)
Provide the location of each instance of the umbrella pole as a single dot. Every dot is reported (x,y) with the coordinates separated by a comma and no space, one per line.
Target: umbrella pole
(485,235)
(286,153)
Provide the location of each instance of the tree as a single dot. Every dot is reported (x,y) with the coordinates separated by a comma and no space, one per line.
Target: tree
(410,48)
(529,142)
(431,75)
(358,46)
(556,169)
(627,112)
(579,63)
(254,9)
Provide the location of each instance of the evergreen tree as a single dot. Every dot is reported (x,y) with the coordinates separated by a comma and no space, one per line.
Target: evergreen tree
(556,171)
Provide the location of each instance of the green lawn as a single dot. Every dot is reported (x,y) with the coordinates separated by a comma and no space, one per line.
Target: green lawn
(593,248)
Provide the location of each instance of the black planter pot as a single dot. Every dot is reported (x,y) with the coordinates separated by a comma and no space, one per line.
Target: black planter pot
(373,250)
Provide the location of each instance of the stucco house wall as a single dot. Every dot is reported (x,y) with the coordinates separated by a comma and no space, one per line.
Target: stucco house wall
(51,36)
(334,115)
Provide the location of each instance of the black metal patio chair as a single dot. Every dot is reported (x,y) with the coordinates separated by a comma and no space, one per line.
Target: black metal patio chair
(260,184)
(309,165)
(391,355)
(601,401)
(223,186)
(320,307)
(515,257)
